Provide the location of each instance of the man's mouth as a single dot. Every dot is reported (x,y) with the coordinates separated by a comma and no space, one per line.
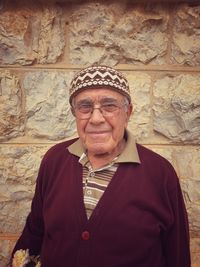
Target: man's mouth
(97,132)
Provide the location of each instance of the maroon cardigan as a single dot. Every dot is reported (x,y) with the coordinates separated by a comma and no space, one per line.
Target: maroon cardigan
(140,221)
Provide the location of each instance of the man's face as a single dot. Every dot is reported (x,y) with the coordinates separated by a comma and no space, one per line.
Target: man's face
(102,133)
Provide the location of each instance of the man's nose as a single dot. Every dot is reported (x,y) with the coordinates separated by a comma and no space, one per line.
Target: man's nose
(97,116)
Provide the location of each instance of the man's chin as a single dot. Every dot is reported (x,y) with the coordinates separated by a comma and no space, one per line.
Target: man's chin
(98,149)
(98,137)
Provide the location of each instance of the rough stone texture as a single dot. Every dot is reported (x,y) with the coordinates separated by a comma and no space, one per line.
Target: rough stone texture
(48,112)
(11,110)
(18,171)
(116,33)
(186,36)
(31,35)
(140,121)
(5,247)
(195,247)
(188,164)
(186,161)
(176,108)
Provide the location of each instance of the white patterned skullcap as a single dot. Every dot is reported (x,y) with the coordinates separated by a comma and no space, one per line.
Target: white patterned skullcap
(98,76)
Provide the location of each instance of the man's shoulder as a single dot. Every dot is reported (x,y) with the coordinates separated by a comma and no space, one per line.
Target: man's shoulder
(157,167)
(151,157)
(58,150)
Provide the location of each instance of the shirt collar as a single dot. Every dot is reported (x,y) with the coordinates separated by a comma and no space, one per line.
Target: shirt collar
(129,154)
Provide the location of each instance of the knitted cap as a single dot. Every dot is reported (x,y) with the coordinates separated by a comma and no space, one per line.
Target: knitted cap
(99,77)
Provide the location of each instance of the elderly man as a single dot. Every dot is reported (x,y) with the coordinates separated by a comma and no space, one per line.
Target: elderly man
(102,200)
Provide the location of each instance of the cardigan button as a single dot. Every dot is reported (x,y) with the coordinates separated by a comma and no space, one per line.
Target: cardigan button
(85,235)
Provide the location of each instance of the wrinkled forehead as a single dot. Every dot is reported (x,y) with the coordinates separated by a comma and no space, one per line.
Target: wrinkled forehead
(97,95)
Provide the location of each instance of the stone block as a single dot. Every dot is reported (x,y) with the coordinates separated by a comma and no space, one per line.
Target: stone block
(140,121)
(114,33)
(47,105)
(191,191)
(5,252)
(31,35)
(11,106)
(186,36)
(186,162)
(195,251)
(18,172)
(176,108)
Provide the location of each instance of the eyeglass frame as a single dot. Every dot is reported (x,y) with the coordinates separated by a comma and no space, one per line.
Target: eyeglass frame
(103,112)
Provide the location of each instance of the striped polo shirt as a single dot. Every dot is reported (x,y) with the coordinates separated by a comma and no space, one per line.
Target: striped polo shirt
(95,181)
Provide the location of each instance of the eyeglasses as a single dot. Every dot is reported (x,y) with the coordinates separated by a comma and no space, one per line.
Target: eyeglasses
(84,111)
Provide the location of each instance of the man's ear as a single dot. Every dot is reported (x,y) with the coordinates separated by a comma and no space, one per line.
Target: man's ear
(129,110)
(72,111)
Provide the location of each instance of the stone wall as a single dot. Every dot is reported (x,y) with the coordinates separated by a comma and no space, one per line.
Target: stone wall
(156,45)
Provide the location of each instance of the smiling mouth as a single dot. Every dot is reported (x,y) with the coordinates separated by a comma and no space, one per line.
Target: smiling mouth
(98,132)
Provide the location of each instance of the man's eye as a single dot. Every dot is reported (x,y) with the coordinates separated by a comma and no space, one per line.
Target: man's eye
(109,107)
(85,108)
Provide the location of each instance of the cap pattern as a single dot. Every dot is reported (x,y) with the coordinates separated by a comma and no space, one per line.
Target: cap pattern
(99,77)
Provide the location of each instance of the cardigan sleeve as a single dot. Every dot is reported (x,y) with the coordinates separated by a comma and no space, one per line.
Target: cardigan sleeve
(176,238)
(32,234)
